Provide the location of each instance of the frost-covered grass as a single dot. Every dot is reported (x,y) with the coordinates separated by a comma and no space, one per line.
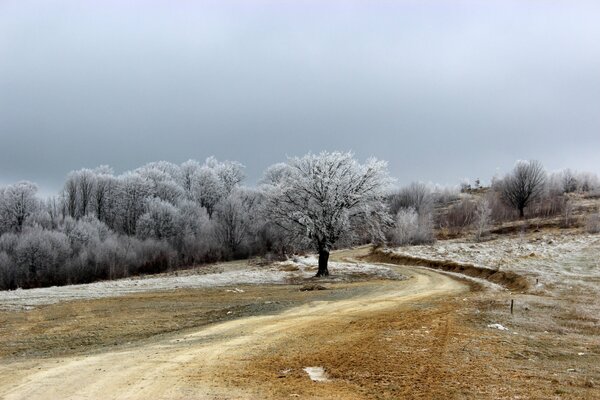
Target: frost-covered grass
(563,268)
(217,277)
(341,270)
(32,297)
(547,257)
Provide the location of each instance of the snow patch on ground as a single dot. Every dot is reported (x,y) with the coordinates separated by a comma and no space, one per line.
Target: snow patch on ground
(316,374)
(498,326)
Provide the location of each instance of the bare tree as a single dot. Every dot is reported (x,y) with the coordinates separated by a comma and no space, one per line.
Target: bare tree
(70,196)
(53,209)
(569,181)
(318,200)
(523,185)
(588,181)
(483,214)
(416,196)
(86,182)
(79,191)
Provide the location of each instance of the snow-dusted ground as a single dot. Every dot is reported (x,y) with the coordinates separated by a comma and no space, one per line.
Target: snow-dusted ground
(223,277)
(562,268)
(308,264)
(551,258)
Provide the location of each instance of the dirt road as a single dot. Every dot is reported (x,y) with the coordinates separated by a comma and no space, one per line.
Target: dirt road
(204,364)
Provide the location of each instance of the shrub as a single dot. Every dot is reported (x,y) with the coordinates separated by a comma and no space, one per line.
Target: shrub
(411,228)
(459,216)
(416,196)
(482,219)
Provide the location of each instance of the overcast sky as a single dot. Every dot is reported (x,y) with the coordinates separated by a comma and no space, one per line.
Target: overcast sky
(441,89)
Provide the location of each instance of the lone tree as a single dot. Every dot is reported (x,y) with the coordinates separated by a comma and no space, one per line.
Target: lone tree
(523,185)
(325,196)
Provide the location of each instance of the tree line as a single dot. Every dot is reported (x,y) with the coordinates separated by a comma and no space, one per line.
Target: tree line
(163,215)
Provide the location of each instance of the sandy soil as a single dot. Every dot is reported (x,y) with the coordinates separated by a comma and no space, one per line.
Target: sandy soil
(194,364)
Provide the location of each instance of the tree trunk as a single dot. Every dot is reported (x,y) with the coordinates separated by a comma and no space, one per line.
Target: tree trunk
(521,213)
(323,259)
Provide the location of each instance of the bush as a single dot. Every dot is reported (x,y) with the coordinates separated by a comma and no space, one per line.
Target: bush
(549,205)
(459,216)
(482,220)
(500,212)
(411,228)
(416,196)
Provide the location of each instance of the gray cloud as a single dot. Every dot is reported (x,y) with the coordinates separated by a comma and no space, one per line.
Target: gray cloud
(442,90)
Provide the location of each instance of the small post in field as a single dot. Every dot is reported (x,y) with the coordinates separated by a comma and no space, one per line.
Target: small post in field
(512,304)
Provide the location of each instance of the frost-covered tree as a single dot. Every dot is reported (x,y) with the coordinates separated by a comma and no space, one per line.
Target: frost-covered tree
(189,169)
(132,196)
(569,181)
(173,171)
(161,221)
(17,203)
(53,208)
(234,219)
(214,181)
(207,189)
(406,226)
(230,173)
(86,184)
(84,232)
(196,233)
(162,180)
(320,198)
(275,173)
(105,199)
(79,192)
(523,185)
(69,195)
(39,254)
(588,182)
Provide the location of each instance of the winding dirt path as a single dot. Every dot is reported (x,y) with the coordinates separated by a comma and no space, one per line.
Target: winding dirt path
(191,365)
